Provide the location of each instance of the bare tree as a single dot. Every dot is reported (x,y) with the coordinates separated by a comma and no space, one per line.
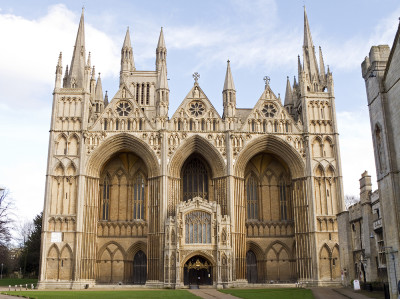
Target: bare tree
(24,230)
(350,200)
(5,217)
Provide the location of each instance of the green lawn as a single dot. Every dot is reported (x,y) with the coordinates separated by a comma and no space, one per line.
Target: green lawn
(270,293)
(105,294)
(14,281)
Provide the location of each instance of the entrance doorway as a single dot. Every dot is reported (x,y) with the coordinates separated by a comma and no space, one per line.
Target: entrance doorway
(198,271)
(251,267)
(139,268)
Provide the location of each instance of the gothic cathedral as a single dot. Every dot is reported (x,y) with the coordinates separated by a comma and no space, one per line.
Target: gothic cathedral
(136,197)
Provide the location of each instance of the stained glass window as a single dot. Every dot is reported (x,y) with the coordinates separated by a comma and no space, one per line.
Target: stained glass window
(252,198)
(195,180)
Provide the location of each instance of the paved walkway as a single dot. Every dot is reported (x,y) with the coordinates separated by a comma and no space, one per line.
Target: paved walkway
(210,294)
(339,293)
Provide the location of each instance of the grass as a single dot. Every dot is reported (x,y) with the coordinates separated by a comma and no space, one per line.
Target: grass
(18,281)
(105,294)
(270,293)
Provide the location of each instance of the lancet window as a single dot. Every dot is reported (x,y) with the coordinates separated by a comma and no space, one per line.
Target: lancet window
(252,197)
(106,199)
(198,228)
(195,180)
(138,197)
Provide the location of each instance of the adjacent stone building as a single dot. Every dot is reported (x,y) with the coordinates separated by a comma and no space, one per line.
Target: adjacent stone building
(136,196)
(367,256)
(381,72)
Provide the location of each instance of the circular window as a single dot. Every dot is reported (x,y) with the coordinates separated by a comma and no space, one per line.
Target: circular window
(123,108)
(196,109)
(269,110)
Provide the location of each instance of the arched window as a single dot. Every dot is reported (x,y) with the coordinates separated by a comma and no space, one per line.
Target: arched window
(252,197)
(198,228)
(138,197)
(283,200)
(106,199)
(195,180)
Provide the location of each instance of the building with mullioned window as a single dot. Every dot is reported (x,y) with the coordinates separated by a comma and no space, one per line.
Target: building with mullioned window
(135,195)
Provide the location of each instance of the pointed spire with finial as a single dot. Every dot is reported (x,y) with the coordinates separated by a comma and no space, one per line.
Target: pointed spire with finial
(321,63)
(77,68)
(59,71)
(162,82)
(288,94)
(310,60)
(228,84)
(127,60)
(229,93)
(99,90)
(161,52)
(106,99)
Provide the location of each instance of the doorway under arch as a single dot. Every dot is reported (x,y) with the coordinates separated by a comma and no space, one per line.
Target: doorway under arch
(198,271)
(251,262)
(139,268)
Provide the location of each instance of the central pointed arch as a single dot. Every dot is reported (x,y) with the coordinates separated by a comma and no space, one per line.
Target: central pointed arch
(122,143)
(273,145)
(199,145)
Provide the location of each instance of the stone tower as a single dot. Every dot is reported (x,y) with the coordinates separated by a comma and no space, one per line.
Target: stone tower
(380,71)
(138,197)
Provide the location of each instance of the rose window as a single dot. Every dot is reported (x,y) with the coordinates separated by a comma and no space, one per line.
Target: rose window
(269,110)
(196,109)
(123,108)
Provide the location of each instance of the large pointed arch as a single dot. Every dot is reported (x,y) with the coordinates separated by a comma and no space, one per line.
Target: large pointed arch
(197,144)
(118,143)
(273,145)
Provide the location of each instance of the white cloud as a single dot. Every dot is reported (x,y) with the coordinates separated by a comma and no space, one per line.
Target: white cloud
(29,45)
(355,148)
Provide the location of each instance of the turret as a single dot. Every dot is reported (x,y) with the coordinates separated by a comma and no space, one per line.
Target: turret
(58,72)
(288,97)
(98,103)
(162,90)
(229,94)
(161,53)
(76,75)
(127,61)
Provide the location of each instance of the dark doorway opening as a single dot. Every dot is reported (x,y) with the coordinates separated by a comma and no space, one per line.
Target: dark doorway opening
(198,271)
(139,268)
(251,262)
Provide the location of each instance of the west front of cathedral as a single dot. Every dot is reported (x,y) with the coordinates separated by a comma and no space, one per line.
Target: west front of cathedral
(136,197)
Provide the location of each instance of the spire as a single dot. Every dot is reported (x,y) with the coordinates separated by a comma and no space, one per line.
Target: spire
(65,79)
(229,85)
(321,63)
(299,66)
(161,41)
(288,94)
(106,99)
(59,71)
(77,68)
(127,61)
(99,90)
(161,52)
(310,61)
(162,82)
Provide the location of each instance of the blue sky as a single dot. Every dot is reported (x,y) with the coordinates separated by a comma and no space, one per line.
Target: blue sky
(261,37)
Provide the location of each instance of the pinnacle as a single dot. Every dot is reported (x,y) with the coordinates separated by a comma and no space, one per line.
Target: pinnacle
(127,41)
(228,78)
(161,41)
(162,78)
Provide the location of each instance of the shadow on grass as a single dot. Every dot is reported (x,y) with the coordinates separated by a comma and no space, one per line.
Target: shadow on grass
(175,294)
(270,293)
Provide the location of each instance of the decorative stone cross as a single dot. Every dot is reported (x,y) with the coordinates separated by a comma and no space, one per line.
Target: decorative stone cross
(266,79)
(196,77)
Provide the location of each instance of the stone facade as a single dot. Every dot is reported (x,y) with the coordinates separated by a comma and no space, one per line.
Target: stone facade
(367,254)
(381,72)
(138,197)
